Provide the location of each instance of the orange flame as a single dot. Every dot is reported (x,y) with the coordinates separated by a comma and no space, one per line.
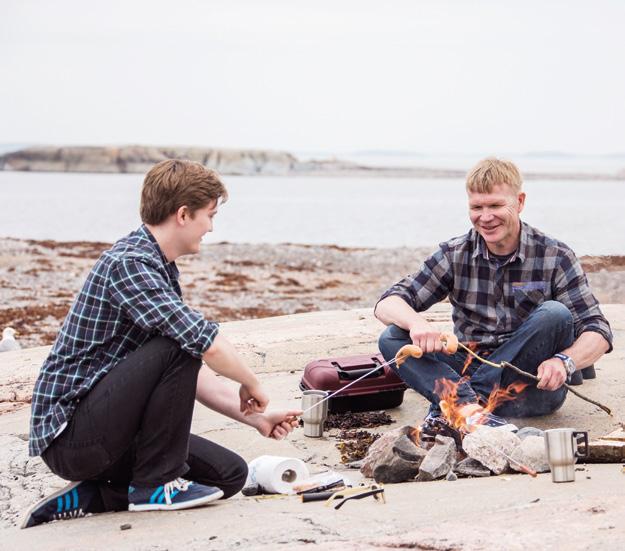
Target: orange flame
(415,435)
(456,414)
(472,345)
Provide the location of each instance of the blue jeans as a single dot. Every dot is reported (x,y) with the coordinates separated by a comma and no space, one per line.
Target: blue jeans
(548,330)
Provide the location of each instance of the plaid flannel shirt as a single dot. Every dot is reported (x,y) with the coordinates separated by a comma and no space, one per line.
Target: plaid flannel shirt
(131,295)
(491,299)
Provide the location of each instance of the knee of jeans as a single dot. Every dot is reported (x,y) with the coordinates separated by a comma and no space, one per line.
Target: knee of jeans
(237,478)
(556,314)
(390,339)
(166,346)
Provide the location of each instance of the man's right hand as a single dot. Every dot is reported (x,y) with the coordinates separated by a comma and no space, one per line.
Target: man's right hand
(426,337)
(253,399)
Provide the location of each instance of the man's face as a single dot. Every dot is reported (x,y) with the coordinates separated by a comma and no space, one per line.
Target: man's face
(495,216)
(196,226)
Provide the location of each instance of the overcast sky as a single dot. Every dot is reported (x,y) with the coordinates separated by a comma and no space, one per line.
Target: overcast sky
(440,76)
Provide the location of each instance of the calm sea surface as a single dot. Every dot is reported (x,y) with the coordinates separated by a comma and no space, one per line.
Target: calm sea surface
(378,212)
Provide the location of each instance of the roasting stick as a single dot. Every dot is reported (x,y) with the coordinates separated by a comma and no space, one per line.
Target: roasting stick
(376,368)
(533,377)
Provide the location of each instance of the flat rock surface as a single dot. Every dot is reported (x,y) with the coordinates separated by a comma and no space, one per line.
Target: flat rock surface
(505,512)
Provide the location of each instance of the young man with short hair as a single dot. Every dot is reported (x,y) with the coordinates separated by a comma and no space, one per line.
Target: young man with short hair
(521,295)
(113,403)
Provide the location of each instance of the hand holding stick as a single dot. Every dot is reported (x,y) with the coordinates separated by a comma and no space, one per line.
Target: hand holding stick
(533,377)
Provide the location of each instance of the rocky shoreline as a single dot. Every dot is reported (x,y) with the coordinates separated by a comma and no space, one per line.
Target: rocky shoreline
(227,282)
(242,162)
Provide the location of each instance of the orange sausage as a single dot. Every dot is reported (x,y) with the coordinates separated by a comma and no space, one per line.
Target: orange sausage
(405,352)
(450,342)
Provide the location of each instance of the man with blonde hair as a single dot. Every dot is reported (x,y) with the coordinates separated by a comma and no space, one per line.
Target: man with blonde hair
(517,293)
(113,403)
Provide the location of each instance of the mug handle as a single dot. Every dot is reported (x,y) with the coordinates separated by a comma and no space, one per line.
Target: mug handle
(586,452)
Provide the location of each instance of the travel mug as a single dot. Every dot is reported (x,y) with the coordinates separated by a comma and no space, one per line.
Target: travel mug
(315,418)
(562,447)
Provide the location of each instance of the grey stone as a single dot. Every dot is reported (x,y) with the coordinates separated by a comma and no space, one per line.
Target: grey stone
(471,467)
(531,453)
(529,431)
(451,476)
(439,459)
(487,444)
(391,468)
(380,447)
(405,448)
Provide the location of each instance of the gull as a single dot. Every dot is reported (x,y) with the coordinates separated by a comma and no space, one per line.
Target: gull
(8,341)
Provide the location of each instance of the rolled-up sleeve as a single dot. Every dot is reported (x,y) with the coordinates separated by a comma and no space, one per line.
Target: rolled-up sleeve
(143,293)
(431,284)
(573,291)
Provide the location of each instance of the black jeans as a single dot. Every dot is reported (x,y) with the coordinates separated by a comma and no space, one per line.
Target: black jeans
(133,427)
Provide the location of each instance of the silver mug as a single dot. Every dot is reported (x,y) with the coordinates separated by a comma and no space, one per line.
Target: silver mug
(562,447)
(315,418)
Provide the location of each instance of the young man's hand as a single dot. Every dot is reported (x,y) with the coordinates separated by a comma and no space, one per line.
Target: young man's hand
(277,424)
(552,374)
(253,399)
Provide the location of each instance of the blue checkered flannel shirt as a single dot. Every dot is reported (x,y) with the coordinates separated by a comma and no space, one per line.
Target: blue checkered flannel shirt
(491,299)
(131,295)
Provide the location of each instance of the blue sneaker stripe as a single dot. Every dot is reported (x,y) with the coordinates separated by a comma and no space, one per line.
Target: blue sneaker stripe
(75,494)
(67,502)
(161,498)
(174,494)
(59,504)
(154,496)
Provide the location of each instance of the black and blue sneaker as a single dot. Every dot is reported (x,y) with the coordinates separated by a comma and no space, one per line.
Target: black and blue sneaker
(77,499)
(177,494)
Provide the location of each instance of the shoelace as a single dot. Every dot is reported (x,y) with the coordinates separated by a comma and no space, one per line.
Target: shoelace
(76,513)
(179,484)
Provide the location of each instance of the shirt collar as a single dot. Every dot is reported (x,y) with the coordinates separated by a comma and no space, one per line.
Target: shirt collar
(145,232)
(480,248)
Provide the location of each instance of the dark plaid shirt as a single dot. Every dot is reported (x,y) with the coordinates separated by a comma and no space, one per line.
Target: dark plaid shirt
(491,298)
(131,295)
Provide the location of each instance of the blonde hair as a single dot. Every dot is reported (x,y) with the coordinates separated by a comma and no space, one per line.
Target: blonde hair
(174,183)
(490,172)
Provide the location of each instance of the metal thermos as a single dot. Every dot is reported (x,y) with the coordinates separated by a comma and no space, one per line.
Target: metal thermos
(315,418)
(562,447)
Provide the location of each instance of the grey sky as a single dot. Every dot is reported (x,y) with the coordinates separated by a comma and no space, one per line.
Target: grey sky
(440,76)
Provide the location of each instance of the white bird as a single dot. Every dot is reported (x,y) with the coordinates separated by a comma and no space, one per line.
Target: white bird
(8,341)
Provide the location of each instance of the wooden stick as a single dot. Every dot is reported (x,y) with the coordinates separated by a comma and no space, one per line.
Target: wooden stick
(533,377)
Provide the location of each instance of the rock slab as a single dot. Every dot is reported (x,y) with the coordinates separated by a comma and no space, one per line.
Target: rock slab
(439,459)
(488,445)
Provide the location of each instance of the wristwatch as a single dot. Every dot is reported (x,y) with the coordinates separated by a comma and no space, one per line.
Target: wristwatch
(568,362)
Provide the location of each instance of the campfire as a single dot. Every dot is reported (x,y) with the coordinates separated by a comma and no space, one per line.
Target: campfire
(456,444)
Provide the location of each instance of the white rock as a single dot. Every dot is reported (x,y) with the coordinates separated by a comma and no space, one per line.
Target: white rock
(531,453)
(486,445)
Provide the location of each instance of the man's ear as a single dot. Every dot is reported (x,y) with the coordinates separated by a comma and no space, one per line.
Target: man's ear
(521,200)
(182,215)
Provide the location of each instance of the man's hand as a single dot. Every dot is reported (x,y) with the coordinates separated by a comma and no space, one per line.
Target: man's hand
(426,337)
(552,374)
(277,424)
(253,399)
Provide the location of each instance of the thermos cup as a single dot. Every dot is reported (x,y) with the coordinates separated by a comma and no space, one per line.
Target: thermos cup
(315,418)
(562,447)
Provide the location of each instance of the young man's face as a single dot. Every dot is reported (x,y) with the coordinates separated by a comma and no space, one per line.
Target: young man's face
(495,216)
(196,226)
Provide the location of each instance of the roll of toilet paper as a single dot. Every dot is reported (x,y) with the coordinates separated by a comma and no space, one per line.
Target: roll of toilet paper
(276,474)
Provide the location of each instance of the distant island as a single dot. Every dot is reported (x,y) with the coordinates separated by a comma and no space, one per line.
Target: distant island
(242,162)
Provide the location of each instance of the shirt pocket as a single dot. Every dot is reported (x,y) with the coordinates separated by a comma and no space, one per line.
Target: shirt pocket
(528,295)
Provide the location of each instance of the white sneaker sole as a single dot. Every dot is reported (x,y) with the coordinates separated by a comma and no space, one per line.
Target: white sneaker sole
(176,506)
